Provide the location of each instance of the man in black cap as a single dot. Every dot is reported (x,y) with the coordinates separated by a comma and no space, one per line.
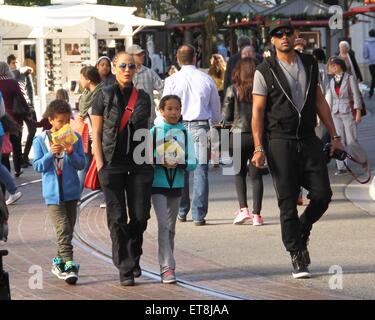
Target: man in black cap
(286,100)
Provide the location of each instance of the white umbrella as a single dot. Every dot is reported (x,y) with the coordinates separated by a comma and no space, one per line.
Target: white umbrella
(69,21)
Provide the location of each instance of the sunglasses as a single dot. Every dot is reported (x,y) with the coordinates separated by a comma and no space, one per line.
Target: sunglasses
(280,33)
(131,66)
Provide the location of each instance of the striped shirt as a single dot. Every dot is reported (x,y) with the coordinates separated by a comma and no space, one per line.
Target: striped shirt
(148,80)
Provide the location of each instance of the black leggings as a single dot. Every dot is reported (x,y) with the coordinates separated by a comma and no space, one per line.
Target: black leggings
(5,161)
(31,129)
(372,72)
(17,152)
(246,150)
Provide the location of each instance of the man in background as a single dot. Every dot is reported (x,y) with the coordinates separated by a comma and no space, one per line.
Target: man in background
(25,81)
(242,42)
(200,107)
(145,78)
(369,55)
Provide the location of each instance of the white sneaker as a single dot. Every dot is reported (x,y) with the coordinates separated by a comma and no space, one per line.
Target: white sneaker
(13,198)
(242,216)
(103,205)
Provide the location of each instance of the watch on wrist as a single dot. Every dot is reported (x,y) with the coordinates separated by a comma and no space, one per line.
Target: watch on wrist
(336,137)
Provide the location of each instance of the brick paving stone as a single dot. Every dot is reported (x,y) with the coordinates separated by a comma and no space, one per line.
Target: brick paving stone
(198,270)
(32,244)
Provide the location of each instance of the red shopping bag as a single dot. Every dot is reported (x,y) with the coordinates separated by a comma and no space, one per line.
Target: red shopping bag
(7,145)
(92,179)
(351,103)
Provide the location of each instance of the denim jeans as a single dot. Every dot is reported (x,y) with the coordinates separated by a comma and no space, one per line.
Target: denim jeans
(199,132)
(5,176)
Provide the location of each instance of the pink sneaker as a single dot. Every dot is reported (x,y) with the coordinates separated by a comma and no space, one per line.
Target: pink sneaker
(257,220)
(242,216)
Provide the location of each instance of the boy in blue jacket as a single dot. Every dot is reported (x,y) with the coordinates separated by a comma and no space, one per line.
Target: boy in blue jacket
(59,164)
(173,153)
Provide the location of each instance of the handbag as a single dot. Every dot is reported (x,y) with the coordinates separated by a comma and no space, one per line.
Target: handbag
(18,109)
(7,147)
(92,180)
(351,102)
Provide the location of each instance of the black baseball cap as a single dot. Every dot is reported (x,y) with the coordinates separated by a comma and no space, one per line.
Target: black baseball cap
(279,24)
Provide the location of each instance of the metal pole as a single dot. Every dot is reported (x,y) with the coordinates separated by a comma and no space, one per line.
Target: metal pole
(93,44)
(41,70)
(345,7)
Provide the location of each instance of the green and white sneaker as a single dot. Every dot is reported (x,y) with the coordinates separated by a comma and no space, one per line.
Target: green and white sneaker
(58,268)
(71,272)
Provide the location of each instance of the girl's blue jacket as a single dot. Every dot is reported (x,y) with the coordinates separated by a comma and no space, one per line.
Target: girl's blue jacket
(178,131)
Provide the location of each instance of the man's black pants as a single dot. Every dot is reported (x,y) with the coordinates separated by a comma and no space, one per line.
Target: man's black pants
(17,152)
(372,72)
(31,130)
(294,164)
(128,198)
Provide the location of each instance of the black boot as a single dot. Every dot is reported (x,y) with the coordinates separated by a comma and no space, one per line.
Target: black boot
(300,262)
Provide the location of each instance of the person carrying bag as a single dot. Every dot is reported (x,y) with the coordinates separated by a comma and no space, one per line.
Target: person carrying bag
(92,179)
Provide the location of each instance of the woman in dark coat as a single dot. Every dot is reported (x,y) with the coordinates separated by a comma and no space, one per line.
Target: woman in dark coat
(11,91)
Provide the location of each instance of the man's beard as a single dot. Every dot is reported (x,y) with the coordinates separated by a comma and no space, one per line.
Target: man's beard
(286,50)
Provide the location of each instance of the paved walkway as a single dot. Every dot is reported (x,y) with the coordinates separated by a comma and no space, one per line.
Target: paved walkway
(240,261)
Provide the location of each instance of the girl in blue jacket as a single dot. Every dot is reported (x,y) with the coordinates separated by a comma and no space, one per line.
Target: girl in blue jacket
(59,164)
(173,153)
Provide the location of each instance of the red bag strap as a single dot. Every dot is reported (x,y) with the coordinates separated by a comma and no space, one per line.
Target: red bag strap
(129,109)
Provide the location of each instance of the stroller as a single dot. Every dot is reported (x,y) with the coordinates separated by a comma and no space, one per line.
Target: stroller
(4,277)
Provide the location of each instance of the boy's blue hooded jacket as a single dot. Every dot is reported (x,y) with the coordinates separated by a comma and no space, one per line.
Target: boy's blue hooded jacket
(43,163)
(178,131)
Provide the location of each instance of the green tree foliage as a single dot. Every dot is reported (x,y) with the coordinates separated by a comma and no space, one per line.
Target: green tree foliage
(186,7)
(211,30)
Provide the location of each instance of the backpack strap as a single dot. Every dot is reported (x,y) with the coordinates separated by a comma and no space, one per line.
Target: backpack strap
(154,147)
